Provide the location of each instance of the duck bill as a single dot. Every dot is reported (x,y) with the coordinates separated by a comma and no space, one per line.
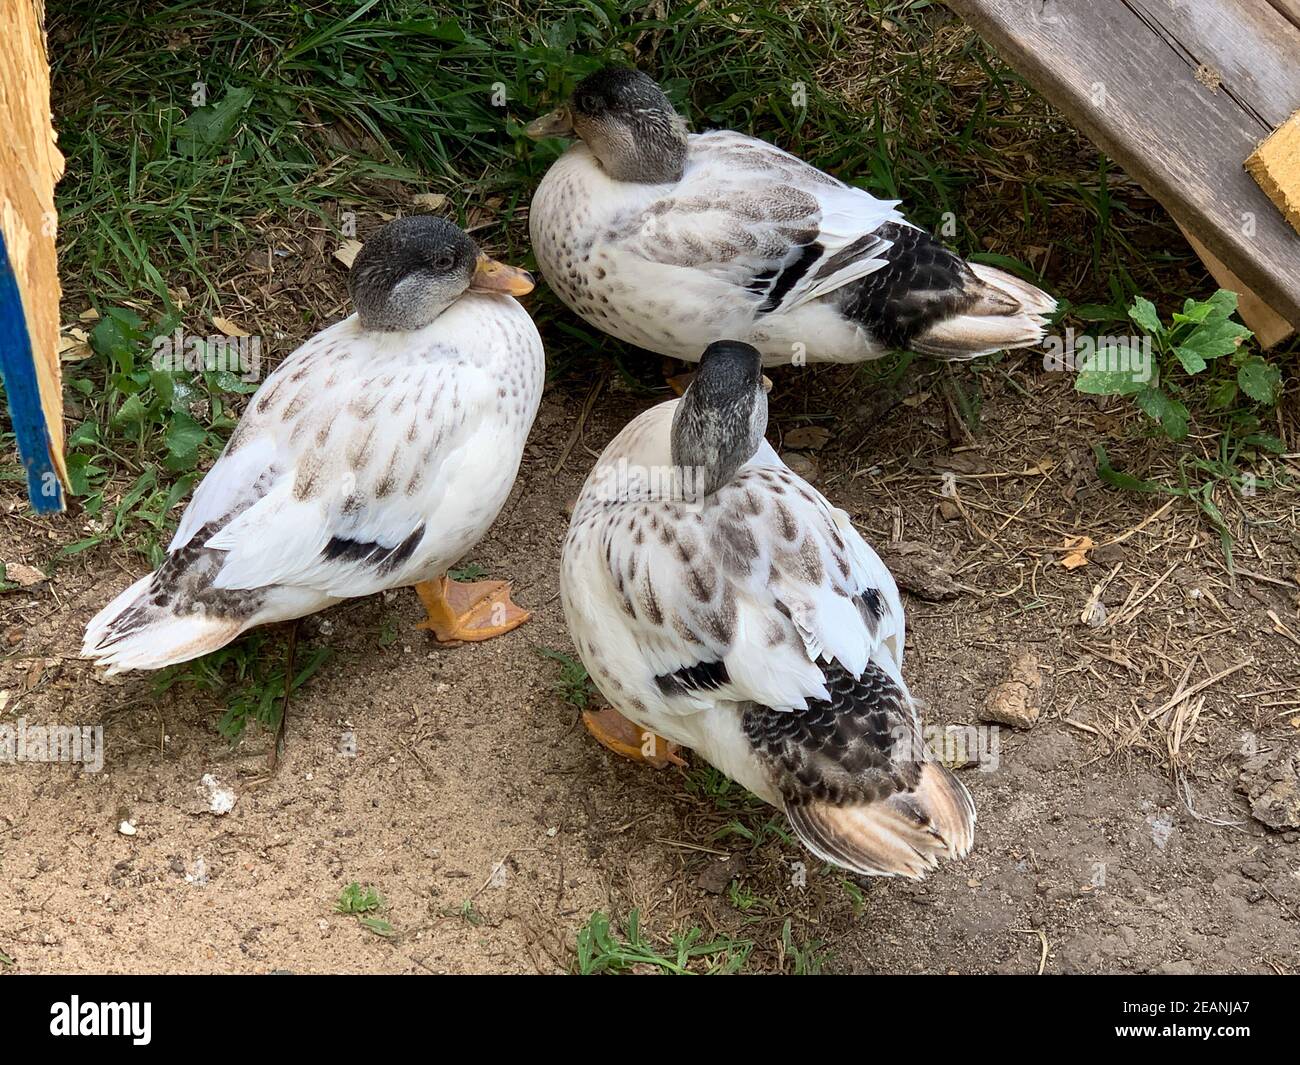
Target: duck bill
(492,276)
(559,123)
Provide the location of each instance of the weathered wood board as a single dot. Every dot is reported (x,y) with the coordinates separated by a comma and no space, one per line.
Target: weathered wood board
(1179,93)
(30,164)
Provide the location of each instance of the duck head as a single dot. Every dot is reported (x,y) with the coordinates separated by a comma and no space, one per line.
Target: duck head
(414,268)
(720,421)
(626,121)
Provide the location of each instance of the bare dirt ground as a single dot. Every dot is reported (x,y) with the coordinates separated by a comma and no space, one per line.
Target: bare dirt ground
(1116,835)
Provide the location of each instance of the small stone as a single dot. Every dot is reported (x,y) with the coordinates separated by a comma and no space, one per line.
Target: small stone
(1256,871)
(920,569)
(1109,554)
(218,800)
(803,464)
(807,438)
(1271,782)
(719,873)
(126,828)
(22,575)
(1015,702)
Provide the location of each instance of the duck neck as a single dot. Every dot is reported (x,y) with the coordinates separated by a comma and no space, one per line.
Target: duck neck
(713,435)
(652,153)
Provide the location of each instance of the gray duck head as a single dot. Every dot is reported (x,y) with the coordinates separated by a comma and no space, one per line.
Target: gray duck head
(414,268)
(720,422)
(626,121)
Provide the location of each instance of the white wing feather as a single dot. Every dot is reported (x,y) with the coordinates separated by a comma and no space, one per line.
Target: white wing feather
(745,211)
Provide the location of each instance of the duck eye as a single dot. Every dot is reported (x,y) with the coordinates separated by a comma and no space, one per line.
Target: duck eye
(443,261)
(590,103)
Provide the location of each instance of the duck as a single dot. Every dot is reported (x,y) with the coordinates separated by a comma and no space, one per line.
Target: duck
(719,602)
(374,457)
(669,240)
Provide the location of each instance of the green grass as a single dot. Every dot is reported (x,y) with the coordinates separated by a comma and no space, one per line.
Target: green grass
(802,959)
(602,949)
(364,904)
(248,676)
(572,684)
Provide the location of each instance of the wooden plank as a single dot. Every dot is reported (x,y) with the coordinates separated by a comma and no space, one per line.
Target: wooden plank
(1289,10)
(1245,46)
(1178,93)
(30,164)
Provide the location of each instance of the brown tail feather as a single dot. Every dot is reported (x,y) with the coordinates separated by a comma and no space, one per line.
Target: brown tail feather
(1006,313)
(904,835)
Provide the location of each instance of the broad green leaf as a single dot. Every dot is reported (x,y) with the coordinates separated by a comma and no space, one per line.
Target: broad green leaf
(132,412)
(80,471)
(1193,312)
(85,433)
(1224,303)
(1259,380)
(1216,337)
(1143,312)
(1171,414)
(1096,312)
(1267,441)
(164,385)
(1109,371)
(184,435)
(225,381)
(117,335)
(1191,360)
(1223,395)
(210,127)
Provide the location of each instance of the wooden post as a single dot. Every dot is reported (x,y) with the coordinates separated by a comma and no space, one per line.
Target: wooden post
(30,164)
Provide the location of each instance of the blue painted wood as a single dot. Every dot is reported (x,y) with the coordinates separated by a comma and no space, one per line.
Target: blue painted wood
(18,372)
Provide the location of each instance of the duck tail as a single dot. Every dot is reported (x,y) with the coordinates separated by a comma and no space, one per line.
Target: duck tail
(997,311)
(139,630)
(903,835)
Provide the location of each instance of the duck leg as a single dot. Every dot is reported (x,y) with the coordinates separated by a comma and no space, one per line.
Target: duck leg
(273,758)
(611,729)
(677,375)
(468,610)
